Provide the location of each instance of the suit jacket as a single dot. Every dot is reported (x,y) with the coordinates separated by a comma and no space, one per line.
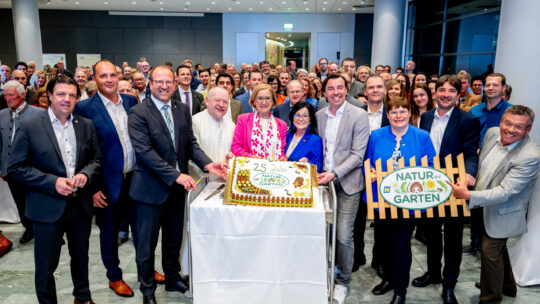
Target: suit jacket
(470,101)
(244,99)
(241,145)
(157,156)
(506,196)
(356,88)
(282,112)
(460,136)
(38,163)
(30,112)
(196,103)
(234,105)
(239,92)
(350,147)
(109,142)
(310,146)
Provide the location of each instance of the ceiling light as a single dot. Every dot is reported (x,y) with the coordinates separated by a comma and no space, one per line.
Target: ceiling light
(213,2)
(187,3)
(324,8)
(161,3)
(230,9)
(344,2)
(305,2)
(289,8)
(237,2)
(354,9)
(270,8)
(339,9)
(325,2)
(262,2)
(283,2)
(106,2)
(161,8)
(185,8)
(133,2)
(250,8)
(207,8)
(77,3)
(307,9)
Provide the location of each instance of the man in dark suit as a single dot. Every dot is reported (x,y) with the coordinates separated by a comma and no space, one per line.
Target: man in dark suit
(10,120)
(295,89)
(58,159)
(191,98)
(255,78)
(453,131)
(109,110)
(62,69)
(163,140)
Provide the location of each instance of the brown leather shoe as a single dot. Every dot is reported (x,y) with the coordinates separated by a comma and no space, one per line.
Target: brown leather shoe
(5,245)
(159,278)
(121,288)
(87,302)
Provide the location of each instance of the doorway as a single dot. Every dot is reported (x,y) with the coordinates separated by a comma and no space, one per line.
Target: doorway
(282,47)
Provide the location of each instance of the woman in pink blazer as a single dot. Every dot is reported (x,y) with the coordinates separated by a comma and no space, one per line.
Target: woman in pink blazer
(260,134)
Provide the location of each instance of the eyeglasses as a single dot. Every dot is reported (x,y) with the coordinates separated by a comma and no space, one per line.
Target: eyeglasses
(295,92)
(162,82)
(263,98)
(301,117)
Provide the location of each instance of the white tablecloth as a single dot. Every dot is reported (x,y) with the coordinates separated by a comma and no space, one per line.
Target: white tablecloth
(8,209)
(248,254)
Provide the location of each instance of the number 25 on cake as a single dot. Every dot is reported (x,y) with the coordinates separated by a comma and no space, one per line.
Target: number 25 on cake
(260,182)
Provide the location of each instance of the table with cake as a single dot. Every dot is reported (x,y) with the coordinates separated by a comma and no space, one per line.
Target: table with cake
(263,240)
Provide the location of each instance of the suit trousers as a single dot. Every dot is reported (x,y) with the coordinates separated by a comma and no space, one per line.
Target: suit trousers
(453,234)
(347,207)
(108,220)
(18,191)
(76,224)
(150,217)
(496,272)
(395,249)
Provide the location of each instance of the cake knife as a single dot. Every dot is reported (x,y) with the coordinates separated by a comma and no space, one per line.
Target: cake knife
(215,192)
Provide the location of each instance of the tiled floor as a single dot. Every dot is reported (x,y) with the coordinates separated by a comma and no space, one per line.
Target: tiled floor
(17,277)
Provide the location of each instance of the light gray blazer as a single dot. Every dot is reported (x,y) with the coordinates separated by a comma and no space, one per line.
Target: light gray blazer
(29,112)
(350,148)
(506,197)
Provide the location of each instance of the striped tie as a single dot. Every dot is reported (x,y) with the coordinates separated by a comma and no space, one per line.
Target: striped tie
(168,120)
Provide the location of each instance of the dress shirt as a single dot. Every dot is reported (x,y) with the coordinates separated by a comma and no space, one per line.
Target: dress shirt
(84,95)
(119,117)
(159,104)
(183,97)
(14,116)
(375,118)
(489,118)
(438,127)
(67,142)
(332,126)
(488,166)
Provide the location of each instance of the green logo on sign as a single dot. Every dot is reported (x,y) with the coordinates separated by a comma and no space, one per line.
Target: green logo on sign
(269,180)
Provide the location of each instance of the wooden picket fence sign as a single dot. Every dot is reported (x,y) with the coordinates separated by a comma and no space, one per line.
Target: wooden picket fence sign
(450,171)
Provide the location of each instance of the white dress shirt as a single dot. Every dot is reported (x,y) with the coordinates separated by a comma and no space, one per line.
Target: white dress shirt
(183,97)
(119,117)
(67,142)
(375,118)
(438,127)
(332,127)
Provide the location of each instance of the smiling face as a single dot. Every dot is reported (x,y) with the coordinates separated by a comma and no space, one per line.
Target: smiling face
(336,91)
(106,79)
(420,78)
(263,102)
(41,78)
(80,78)
(162,84)
(184,77)
(374,90)
(124,87)
(447,96)
(394,91)
(399,117)
(204,77)
(301,119)
(13,98)
(217,103)
(362,74)
(514,128)
(420,98)
(494,88)
(295,92)
(63,99)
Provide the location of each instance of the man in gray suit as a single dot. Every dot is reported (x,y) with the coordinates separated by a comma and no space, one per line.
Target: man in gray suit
(345,132)
(508,167)
(10,119)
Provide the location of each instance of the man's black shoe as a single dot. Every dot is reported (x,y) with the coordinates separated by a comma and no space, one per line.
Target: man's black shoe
(27,236)
(149,299)
(425,280)
(179,286)
(384,287)
(448,296)
(398,299)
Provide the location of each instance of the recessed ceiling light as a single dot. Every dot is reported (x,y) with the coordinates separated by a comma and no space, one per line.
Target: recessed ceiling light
(48,3)
(345,2)
(250,8)
(353,8)
(262,2)
(307,9)
(207,8)
(185,8)
(289,8)
(161,3)
(324,8)
(213,2)
(339,9)
(283,2)
(133,2)
(187,3)
(106,2)
(270,8)
(161,8)
(230,9)
(237,2)
(305,2)
(77,3)
(325,2)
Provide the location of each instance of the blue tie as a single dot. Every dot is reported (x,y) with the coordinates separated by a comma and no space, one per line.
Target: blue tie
(168,120)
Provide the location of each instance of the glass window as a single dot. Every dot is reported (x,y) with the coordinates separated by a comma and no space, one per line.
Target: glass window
(427,64)
(475,34)
(474,64)
(428,11)
(428,40)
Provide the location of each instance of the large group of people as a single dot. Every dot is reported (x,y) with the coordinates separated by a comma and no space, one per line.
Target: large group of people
(126,144)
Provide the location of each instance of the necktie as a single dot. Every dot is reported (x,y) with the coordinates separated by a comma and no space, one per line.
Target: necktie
(168,121)
(188,102)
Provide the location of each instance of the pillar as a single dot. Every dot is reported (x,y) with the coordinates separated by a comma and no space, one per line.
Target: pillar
(27,31)
(388,29)
(518,46)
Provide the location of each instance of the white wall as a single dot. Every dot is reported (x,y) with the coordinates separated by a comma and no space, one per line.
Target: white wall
(303,23)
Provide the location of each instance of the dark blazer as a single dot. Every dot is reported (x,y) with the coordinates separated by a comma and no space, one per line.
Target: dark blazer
(109,142)
(38,163)
(244,99)
(155,170)
(282,112)
(310,147)
(239,92)
(196,103)
(460,136)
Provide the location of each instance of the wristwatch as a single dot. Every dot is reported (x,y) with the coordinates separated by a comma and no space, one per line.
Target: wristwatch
(335,174)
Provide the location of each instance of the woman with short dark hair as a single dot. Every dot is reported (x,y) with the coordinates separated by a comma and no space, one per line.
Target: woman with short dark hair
(303,143)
